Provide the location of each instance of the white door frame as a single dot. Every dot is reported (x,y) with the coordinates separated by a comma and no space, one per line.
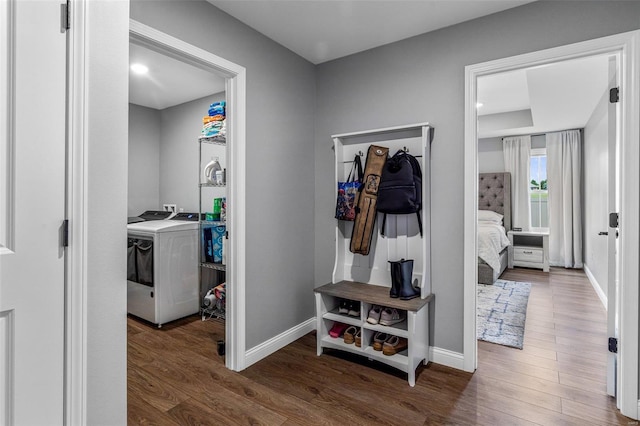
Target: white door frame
(77,201)
(235,95)
(627,46)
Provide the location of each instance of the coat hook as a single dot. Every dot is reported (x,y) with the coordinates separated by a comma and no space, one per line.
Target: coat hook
(360,153)
(405,149)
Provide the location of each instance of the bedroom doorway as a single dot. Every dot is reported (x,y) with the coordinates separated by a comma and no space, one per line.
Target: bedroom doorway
(624,48)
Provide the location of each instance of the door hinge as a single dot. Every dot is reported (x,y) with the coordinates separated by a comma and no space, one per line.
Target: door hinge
(65,19)
(614,95)
(65,233)
(613,345)
(614,220)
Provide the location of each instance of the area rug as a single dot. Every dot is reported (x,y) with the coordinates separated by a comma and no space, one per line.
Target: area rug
(501,312)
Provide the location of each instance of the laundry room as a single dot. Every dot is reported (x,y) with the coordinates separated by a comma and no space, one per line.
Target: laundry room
(176,212)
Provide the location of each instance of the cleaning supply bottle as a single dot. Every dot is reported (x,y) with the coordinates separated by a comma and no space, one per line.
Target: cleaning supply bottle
(210,170)
(217,208)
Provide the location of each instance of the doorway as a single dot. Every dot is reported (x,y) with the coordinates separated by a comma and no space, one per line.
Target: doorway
(625,46)
(144,37)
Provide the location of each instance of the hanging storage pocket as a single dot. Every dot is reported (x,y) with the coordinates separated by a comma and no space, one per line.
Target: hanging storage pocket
(144,262)
(131,261)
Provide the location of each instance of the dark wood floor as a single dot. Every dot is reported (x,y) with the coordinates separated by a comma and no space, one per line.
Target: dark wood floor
(175,376)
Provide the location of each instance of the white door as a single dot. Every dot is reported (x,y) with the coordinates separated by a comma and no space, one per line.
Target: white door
(612,238)
(32,208)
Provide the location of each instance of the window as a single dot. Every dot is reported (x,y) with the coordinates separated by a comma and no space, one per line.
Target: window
(538,188)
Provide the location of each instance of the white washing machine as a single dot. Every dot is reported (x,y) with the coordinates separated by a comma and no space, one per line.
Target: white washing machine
(162,268)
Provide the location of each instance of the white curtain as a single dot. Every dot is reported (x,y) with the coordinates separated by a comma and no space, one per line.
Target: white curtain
(517,152)
(564,176)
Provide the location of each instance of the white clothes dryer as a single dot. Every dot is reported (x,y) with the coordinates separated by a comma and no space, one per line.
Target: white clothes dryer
(162,268)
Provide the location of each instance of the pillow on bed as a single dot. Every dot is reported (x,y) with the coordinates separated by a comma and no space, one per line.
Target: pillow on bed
(489,216)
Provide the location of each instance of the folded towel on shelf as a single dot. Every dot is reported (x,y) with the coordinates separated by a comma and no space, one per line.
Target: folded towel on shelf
(219,105)
(214,128)
(214,124)
(217,117)
(216,109)
(209,119)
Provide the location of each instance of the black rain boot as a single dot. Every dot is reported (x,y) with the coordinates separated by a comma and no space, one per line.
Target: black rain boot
(396,279)
(406,290)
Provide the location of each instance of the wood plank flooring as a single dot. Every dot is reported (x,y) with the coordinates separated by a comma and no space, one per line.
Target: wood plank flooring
(175,376)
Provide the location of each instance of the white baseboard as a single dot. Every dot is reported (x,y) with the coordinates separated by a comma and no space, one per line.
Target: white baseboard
(436,355)
(446,357)
(265,349)
(596,286)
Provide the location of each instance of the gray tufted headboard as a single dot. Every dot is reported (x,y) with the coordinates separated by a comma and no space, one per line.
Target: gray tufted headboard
(494,193)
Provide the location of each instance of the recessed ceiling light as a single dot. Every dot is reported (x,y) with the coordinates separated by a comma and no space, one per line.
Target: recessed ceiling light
(139,68)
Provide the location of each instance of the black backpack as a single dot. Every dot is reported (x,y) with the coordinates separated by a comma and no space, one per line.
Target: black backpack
(400,190)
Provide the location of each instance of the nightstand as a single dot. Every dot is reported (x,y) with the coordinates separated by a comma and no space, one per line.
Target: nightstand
(529,249)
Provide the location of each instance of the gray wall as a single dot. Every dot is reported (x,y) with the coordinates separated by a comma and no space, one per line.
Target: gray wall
(490,155)
(163,155)
(280,157)
(596,191)
(179,170)
(422,79)
(144,159)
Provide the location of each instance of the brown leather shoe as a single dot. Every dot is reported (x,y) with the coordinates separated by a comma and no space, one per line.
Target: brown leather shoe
(394,344)
(359,338)
(378,340)
(350,334)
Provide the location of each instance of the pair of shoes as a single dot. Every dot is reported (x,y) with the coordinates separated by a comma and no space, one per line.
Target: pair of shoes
(394,344)
(354,308)
(374,314)
(390,316)
(337,330)
(343,308)
(378,340)
(385,316)
(351,335)
(349,307)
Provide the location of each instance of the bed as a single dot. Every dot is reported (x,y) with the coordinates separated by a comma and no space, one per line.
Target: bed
(494,195)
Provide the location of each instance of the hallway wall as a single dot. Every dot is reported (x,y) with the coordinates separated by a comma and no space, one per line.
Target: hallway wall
(422,79)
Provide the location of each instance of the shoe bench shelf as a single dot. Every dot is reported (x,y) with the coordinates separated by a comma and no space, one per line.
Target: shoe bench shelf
(366,279)
(415,328)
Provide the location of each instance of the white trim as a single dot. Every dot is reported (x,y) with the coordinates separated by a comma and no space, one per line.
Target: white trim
(446,357)
(629,225)
(7,123)
(77,207)
(470,248)
(596,286)
(7,367)
(236,323)
(236,101)
(626,45)
(278,342)
(402,128)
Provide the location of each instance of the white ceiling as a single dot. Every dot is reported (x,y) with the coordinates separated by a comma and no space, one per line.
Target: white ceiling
(316,30)
(547,98)
(169,81)
(323,30)
(552,97)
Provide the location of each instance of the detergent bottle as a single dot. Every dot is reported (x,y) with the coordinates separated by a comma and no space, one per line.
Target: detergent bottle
(210,170)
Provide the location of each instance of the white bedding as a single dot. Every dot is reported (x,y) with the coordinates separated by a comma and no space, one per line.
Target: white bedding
(492,239)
